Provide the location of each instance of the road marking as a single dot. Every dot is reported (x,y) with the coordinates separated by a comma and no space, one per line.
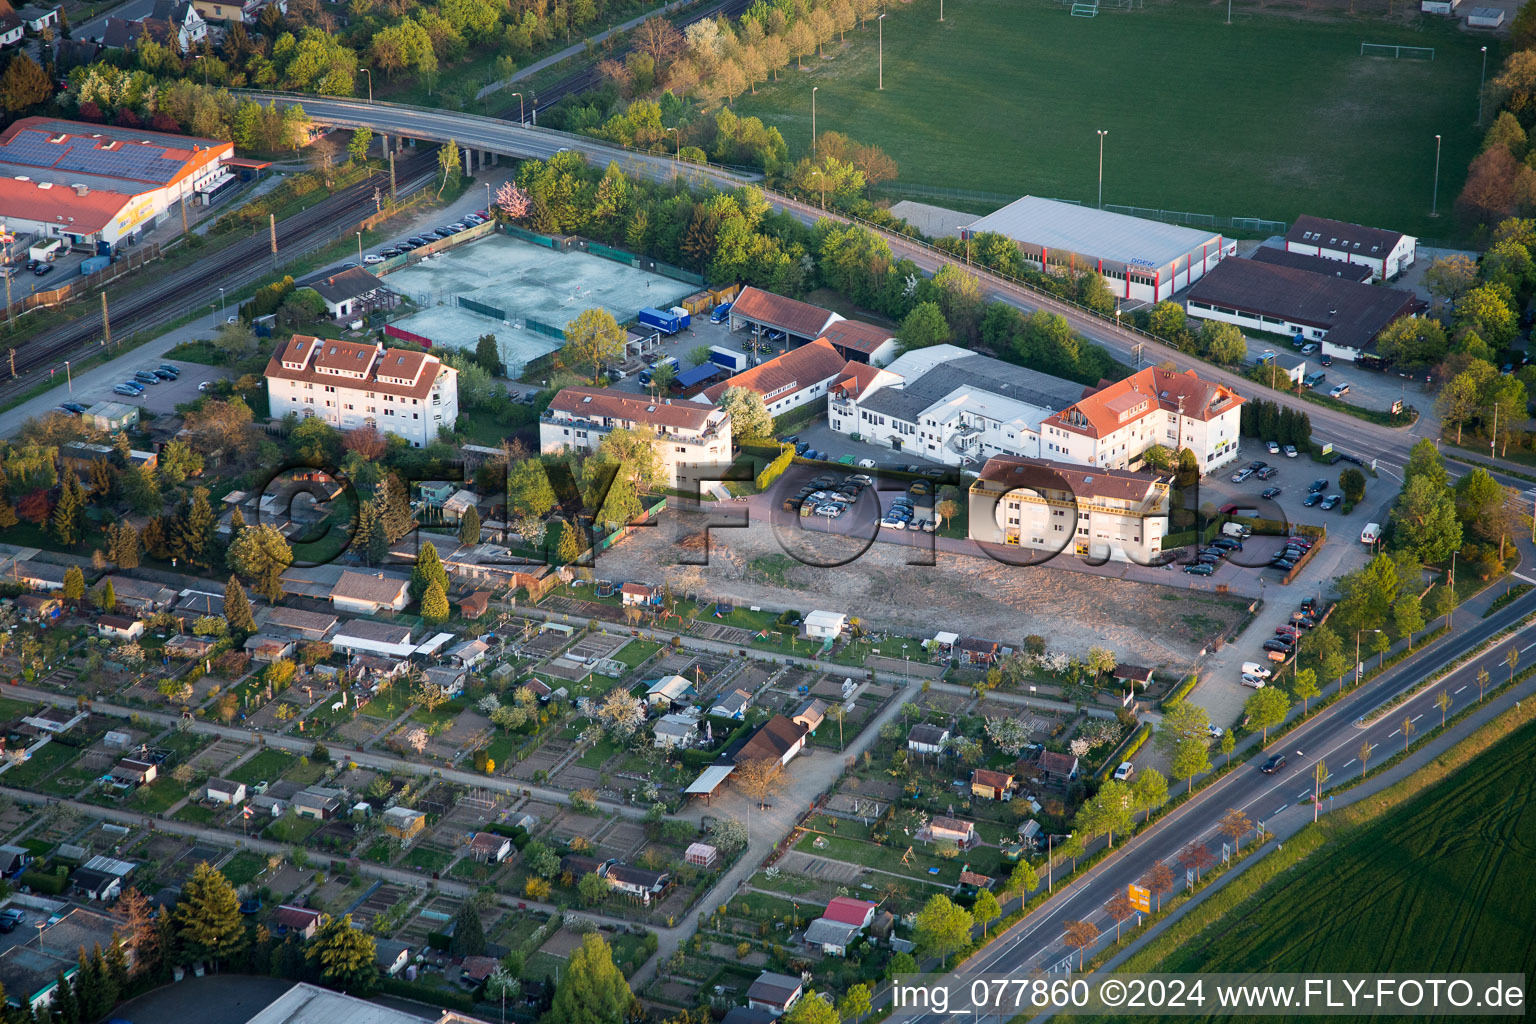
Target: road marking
(1415,718)
(1394,732)
(1349,762)
(1526,648)
(1302,795)
(1277,810)
(1458,689)
(1522,576)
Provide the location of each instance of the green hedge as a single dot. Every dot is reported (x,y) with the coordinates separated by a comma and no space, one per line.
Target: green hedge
(775,469)
(1127,750)
(1181,691)
(446,998)
(53,883)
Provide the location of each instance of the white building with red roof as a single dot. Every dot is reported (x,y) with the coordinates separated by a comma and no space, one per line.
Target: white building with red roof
(352,384)
(786,382)
(98,184)
(1112,426)
(688,434)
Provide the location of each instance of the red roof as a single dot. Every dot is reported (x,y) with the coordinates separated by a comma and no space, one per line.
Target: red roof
(798,318)
(1116,405)
(857,336)
(607,403)
(847,910)
(316,361)
(792,371)
(856,378)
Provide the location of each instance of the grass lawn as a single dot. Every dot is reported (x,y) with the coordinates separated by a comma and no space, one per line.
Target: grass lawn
(195,813)
(290,828)
(264,766)
(243,867)
(599,753)
(1285,115)
(635,652)
(427,859)
(888,858)
(45,771)
(11,709)
(157,796)
(1438,883)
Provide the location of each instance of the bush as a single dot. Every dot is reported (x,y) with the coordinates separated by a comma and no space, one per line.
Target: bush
(40,881)
(1181,691)
(775,469)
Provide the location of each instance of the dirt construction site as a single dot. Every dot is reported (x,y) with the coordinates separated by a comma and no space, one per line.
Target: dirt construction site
(1149,624)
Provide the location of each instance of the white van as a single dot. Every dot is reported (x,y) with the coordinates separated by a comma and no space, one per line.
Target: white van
(1371,534)
(1237,530)
(1253,668)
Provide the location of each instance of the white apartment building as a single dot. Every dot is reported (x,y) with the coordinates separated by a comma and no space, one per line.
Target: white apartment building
(349,384)
(948,404)
(1057,508)
(689,435)
(1112,427)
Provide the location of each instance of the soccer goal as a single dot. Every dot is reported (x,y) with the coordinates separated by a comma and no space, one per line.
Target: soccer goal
(1394,52)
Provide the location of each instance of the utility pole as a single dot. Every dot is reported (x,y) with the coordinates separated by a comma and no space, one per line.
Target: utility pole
(13,363)
(880,24)
(393,200)
(272,231)
(183,215)
(106,327)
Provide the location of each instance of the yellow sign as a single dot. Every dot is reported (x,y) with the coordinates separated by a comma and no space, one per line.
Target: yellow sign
(1140,898)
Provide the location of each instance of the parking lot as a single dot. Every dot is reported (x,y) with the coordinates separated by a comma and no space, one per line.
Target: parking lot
(24,282)
(160,399)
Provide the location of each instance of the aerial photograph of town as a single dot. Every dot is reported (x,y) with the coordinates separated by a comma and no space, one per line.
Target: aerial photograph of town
(528,512)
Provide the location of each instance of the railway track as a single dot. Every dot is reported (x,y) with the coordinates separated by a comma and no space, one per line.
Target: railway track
(231,266)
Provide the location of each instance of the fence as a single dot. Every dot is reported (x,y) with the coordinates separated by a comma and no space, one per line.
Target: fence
(1257,225)
(530,236)
(482,308)
(72,289)
(608,252)
(390,330)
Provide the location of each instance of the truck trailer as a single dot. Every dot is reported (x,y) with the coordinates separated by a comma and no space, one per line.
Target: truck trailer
(734,362)
(666,321)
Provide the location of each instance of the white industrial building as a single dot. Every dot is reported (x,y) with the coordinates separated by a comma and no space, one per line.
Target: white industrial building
(1385,253)
(96,185)
(1113,426)
(350,384)
(1057,508)
(949,405)
(1139,259)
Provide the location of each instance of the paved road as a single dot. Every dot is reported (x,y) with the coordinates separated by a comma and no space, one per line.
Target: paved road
(1334,737)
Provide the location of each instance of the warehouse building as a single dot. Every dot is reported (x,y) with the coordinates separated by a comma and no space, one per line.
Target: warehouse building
(1343,316)
(948,404)
(1144,260)
(1312,264)
(99,185)
(1385,253)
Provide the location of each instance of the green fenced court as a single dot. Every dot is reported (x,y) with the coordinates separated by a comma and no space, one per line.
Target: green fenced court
(1270,117)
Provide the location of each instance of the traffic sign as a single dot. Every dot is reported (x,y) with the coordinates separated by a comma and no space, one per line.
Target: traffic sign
(1140,897)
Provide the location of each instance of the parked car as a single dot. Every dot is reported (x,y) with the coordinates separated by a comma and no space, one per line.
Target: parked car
(1270,493)
(720,314)
(1339,390)
(1257,464)
(170,368)
(1253,668)
(866,463)
(1332,502)
(1200,569)
(1318,485)
(918,488)
(1254,681)
(1227,544)
(163,375)
(891,523)
(44,270)
(1273,765)
(75,407)
(1312,499)
(146,377)
(1125,771)
(1266,472)
(10,917)
(127,392)
(1325,359)
(1290,451)
(1213,731)
(1277,646)
(831,510)
(1309,348)
(204,385)
(135,385)
(1241,475)
(1283,564)
(1273,446)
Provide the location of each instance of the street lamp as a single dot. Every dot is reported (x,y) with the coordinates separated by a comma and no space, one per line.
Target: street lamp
(880,24)
(369,73)
(1102,132)
(67,378)
(519,107)
(221,300)
(677,152)
(1357,651)
(359,250)
(1482,80)
(1434,202)
(813,119)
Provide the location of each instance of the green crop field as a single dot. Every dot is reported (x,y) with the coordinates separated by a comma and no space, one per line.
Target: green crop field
(1440,884)
(1269,117)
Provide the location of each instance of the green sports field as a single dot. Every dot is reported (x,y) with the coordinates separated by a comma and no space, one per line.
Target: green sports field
(1269,117)
(1439,884)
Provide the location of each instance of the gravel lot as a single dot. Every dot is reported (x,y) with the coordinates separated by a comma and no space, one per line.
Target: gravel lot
(1143,623)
